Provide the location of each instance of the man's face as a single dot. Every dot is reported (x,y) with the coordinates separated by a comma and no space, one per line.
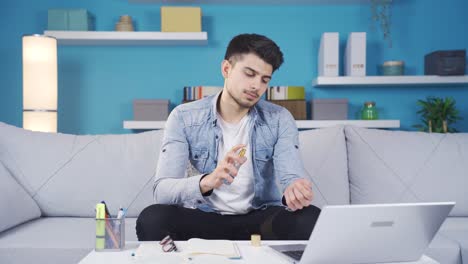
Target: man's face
(246,79)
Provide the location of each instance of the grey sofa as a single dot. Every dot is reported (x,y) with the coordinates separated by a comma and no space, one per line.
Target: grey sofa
(50,183)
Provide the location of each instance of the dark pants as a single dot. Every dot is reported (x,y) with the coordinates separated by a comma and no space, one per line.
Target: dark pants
(274,223)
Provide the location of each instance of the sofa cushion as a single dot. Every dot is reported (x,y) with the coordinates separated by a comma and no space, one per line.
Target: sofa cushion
(396,166)
(456,228)
(462,239)
(16,204)
(53,240)
(67,174)
(444,250)
(324,155)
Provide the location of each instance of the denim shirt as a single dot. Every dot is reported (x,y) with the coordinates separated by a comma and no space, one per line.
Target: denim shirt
(192,134)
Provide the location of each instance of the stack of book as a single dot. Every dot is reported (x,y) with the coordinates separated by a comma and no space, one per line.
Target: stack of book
(192,93)
(285,93)
(291,98)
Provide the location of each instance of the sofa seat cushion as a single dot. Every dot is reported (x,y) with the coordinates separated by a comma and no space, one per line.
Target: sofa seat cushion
(323,153)
(444,250)
(16,204)
(58,238)
(456,228)
(67,174)
(398,167)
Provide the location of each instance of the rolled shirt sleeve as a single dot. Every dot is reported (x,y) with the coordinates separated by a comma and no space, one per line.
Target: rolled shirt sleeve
(287,157)
(170,185)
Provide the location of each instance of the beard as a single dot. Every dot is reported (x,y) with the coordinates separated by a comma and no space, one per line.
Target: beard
(240,102)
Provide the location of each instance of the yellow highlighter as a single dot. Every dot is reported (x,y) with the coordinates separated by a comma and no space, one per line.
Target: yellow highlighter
(100,226)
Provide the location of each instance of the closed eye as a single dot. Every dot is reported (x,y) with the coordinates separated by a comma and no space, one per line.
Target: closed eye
(249,73)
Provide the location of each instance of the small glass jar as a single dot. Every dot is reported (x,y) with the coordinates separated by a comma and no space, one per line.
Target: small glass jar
(390,68)
(369,111)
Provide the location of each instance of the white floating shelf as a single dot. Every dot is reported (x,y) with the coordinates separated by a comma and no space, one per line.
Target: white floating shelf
(128,38)
(144,124)
(422,80)
(302,124)
(359,123)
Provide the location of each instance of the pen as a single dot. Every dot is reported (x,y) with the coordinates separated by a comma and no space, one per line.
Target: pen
(117,225)
(110,228)
(107,209)
(120,214)
(111,235)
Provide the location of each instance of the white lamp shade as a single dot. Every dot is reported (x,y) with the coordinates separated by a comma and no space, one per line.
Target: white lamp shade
(40,83)
(39,73)
(40,121)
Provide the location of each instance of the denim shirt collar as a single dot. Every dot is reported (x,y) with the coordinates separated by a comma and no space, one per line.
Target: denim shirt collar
(253,112)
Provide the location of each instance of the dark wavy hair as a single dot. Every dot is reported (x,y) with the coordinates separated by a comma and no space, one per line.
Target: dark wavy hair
(260,45)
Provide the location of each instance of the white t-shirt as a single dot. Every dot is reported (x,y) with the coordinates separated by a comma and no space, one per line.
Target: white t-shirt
(235,198)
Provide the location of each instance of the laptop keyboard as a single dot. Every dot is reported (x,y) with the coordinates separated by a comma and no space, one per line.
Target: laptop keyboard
(295,254)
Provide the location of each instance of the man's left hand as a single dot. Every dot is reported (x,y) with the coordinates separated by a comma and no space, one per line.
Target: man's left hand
(298,194)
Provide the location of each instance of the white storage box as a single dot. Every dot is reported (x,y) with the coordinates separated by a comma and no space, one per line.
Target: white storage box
(355,54)
(328,58)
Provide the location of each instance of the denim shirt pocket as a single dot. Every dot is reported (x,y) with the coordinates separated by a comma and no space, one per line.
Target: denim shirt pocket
(263,157)
(198,158)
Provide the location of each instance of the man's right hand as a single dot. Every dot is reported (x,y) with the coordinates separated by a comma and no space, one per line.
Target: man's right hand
(224,171)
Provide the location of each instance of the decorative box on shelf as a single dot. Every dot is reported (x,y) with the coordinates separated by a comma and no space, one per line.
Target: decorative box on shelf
(180,19)
(150,109)
(329,109)
(298,108)
(355,54)
(328,58)
(70,19)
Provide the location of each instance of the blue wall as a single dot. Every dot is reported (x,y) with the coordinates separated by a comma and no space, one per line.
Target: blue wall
(98,83)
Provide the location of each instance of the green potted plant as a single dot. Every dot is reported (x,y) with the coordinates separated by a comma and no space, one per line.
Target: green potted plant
(381,14)
(438,114)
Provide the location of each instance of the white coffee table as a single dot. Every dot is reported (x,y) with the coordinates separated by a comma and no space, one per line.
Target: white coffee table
(250,254)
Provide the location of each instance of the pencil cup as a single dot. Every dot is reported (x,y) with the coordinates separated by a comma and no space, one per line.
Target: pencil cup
(110,234)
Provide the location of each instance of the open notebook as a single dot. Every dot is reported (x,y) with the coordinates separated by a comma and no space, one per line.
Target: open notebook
(194,247)
(227,248)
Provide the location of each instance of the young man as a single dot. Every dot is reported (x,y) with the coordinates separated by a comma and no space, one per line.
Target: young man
(236,195)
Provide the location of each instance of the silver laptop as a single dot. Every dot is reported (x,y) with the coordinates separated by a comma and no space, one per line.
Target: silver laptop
(375,233)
